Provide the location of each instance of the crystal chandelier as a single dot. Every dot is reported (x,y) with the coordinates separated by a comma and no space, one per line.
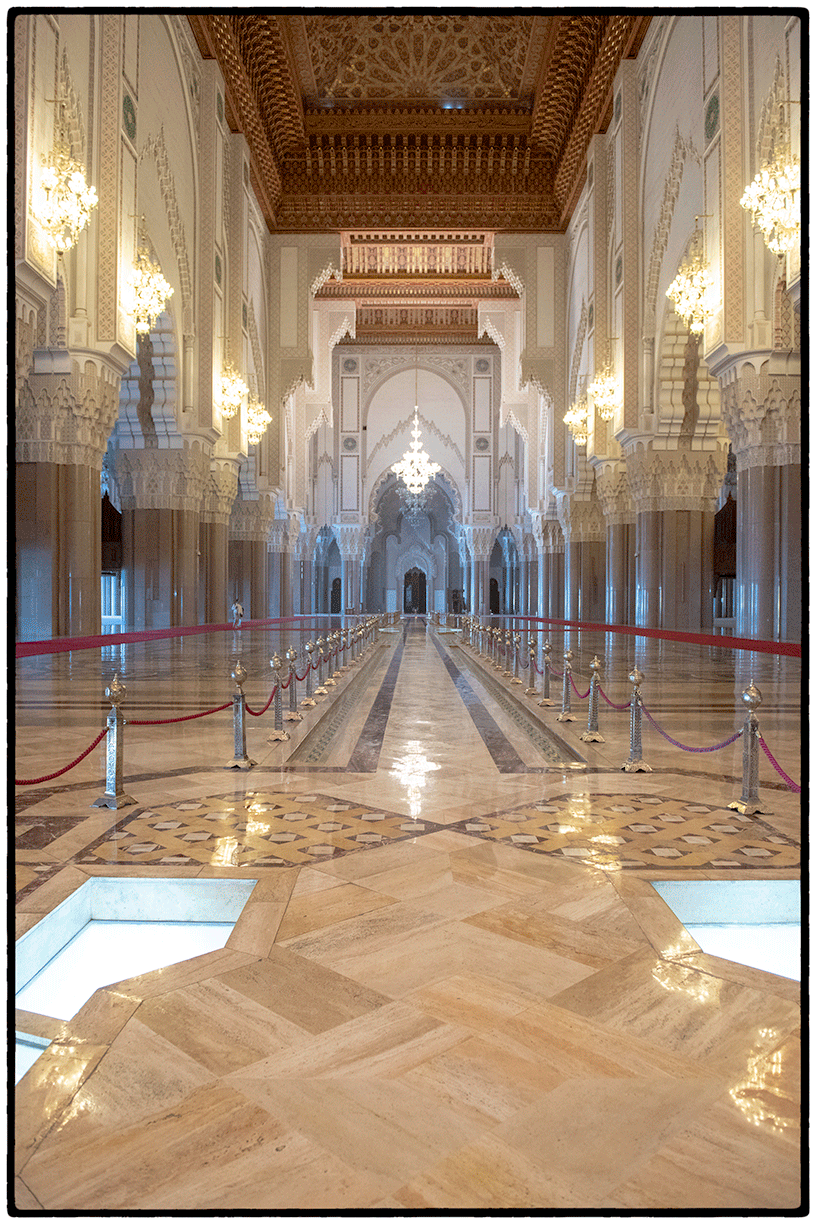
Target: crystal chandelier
(773,200)
(65,208)
(576,418)
(415,468)
(257,419)
(691,288)
(151,292)
(604,392)
(233,390)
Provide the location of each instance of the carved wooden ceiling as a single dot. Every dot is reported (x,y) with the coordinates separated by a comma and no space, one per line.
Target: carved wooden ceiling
(417,130)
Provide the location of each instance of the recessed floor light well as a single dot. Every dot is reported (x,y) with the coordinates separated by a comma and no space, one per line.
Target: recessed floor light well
(752,922)
(113,929)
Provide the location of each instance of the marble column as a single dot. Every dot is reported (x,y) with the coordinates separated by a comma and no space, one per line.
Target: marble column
(617,610)
(649,569)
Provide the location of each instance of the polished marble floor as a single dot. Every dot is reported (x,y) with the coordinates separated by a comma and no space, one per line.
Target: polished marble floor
(454,987)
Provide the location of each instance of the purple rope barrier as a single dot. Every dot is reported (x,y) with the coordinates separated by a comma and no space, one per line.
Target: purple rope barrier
(685,747)
(575,687)
(797,790)
(625,706)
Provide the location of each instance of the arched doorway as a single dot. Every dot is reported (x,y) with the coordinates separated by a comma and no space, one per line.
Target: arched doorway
(415,591)
(335,596)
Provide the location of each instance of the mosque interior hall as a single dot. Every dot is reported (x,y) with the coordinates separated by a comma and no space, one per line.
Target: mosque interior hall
(407,612)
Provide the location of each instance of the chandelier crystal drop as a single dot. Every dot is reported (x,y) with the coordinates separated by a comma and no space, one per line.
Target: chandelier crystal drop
(257,420)
(233,390)
(415,468)
(67,200)
(576,419)
(151,292)
(773,199)
(691,288)
(604,392)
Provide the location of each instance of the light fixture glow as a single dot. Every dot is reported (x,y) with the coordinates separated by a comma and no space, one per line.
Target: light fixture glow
(576,419)
(773,199)
(151,292)
(691,288)
(233,390)
(415,468)
(257,419)
(604,391)
(66,199)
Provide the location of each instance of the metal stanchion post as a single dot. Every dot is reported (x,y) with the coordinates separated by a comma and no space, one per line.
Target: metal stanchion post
(331,642)
(636,764)
(308,700)
(748,803)
(516,653)
(278,733)
(114,796)
(240,760)
(592,735)
(566,714)
(546,651)
(508,646)
(531,688)
(320,691)
(291,714)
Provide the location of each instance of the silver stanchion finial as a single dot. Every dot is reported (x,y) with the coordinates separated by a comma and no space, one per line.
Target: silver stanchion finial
(636,764)
(566,714)
(240,760)
(592,735)
(278,733)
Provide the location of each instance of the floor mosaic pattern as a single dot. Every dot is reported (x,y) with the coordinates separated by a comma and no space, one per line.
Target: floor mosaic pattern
(639,831)
(264,829)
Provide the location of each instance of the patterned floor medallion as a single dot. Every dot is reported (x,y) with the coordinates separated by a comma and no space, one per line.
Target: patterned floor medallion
(264,829)
(647,831)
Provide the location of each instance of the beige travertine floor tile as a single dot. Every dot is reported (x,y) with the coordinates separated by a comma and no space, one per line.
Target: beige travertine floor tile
(722,1161)
(311,996)
(471,1000)
(718,1023)
(322,909)
(587,1133)
(44,1094)
(527,921)
(24,1200)
(217,1027)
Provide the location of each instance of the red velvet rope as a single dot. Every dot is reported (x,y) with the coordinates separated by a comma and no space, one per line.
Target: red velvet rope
(793,649)
(160,722)
(258,713)
(48,777)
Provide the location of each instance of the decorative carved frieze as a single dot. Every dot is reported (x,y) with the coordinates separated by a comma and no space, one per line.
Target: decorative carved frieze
(66,410)
(220,491)
(162,479)
(251,518)
(762,411)
(156,148)
(675,479)
(581,519)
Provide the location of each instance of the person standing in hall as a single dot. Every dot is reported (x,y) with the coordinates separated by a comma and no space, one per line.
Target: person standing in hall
(237,614)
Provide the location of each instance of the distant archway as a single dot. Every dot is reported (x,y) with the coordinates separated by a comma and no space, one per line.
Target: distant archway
(415,591)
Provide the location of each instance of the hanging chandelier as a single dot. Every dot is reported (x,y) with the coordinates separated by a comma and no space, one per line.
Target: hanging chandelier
(233,390)
(151,292)
(603,392)
(576,419)
(415,468)
(691,288)
(773,200)
(257,419)
(67,200)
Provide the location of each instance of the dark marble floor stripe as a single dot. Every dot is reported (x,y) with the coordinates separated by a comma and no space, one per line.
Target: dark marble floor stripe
(504,755)
(366,754)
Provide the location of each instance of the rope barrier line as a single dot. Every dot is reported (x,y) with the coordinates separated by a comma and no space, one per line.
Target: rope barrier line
(792,649)
(685,747)
(161,722)
(797,790)
(258,713)
(575,687)
(49,777)
(625,706)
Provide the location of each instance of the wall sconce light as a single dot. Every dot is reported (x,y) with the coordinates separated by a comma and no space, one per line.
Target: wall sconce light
(691,288)
(604,392)
(773,200)
(257,419)
(151,292)
(576,419)
(233,390)
(66,200)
